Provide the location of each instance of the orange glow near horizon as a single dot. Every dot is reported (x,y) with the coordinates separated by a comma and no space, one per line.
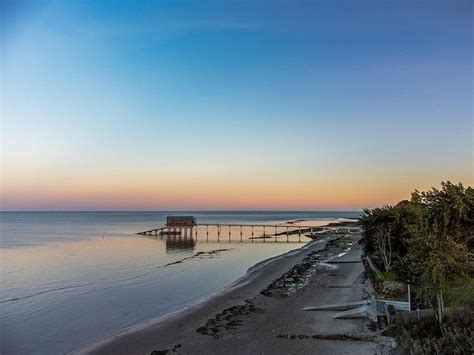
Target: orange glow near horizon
(177,192)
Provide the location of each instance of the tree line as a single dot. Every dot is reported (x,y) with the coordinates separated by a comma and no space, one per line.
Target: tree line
(427,241)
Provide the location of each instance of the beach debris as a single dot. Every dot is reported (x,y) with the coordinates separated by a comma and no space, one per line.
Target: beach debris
(200,254)
(384,341)
(290,282)
(228,319)
(353,337)
(166,351)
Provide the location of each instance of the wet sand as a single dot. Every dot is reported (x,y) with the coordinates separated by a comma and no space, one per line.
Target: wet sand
(261,312)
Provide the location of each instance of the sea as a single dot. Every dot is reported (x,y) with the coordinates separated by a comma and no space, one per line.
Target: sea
(70,279)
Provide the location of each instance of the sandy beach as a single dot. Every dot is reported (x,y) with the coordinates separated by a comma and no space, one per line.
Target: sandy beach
(261,312)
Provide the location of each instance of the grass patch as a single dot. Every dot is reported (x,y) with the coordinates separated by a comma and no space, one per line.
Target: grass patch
(389,275)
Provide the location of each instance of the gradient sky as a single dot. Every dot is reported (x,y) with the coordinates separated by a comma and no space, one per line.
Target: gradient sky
(162,105)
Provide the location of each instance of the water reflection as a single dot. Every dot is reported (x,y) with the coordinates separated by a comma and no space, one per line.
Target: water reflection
(179,243)
(177,239)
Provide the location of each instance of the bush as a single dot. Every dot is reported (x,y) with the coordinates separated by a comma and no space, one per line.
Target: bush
(424,337)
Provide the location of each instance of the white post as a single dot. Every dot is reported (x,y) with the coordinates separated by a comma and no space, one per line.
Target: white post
(409,297)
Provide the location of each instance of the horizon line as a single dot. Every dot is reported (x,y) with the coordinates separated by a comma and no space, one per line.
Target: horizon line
(241,210)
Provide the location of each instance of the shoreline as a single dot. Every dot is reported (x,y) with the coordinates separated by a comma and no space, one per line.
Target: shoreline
(183,311)
(200,326)
(244,278)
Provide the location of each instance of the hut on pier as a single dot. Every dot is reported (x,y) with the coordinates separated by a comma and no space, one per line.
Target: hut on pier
(180,221)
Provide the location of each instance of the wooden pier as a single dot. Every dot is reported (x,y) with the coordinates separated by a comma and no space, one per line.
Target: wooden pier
(268,231)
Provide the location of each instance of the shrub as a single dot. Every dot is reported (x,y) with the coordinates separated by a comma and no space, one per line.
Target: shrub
(424,337)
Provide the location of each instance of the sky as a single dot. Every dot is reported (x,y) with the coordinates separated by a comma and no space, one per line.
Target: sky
(232,105)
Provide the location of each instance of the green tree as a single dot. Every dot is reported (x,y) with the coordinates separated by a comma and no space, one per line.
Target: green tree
(449,211)
(438,253)
(408,225)
(433,262)
(378,225)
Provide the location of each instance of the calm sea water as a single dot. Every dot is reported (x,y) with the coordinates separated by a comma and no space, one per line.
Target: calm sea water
(69,279)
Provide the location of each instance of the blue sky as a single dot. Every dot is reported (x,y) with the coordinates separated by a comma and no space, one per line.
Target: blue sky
(282,98)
